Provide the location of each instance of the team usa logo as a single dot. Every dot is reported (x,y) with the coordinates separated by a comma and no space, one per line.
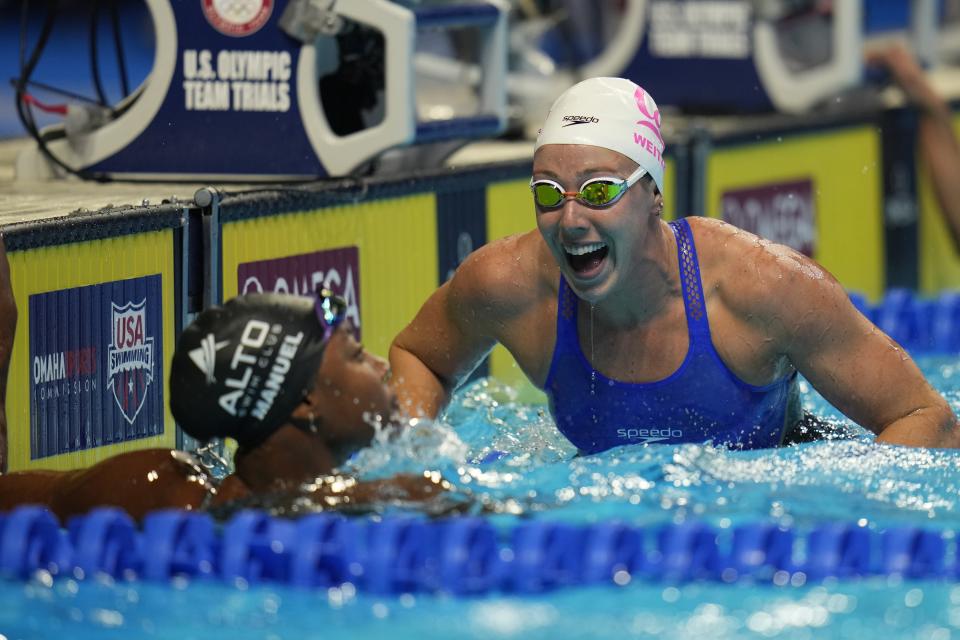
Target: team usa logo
(130,358)
(237,18)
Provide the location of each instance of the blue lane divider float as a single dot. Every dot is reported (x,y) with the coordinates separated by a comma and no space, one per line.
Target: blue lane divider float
(920,325)
(460,556)
(180,543)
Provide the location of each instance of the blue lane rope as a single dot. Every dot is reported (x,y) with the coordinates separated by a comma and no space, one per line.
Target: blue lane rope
(928,326)
(459,556)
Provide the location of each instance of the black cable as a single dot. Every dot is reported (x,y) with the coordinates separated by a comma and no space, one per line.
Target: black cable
(63,92)
(118,45)
(23,110)
(26,70)
(94,63)
(25,113)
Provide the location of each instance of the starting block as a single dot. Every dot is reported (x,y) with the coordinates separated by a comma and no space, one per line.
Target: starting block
(274,90)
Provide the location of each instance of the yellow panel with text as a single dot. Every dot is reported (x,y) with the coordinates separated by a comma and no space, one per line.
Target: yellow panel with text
(54,268)
(938,256)
(844,166)
(397,243)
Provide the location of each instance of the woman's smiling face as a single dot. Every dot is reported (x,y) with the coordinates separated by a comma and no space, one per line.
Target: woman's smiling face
(592,245)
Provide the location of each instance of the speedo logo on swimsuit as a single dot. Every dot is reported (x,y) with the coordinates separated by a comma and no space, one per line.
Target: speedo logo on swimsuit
(649,435)
(571,120)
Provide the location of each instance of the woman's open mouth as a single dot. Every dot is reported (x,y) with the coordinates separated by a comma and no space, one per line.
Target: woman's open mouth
(586,259)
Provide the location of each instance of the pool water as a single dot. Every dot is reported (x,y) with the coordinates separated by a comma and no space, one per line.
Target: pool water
(848,480)
(90,609)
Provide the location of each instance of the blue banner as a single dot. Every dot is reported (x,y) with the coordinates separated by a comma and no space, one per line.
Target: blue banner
(461,228)
(230,96)
(96,365)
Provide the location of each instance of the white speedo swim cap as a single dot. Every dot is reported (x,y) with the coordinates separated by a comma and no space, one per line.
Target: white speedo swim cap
(613,113)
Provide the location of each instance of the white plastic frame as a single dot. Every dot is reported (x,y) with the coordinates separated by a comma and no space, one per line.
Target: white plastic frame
(341,154)
(88,149)
(793,92)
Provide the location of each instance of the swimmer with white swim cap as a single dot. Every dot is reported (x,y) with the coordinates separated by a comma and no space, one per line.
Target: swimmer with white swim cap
(644,331)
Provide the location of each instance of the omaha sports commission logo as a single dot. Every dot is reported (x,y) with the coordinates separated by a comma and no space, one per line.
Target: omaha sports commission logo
(237,18)
(96,362)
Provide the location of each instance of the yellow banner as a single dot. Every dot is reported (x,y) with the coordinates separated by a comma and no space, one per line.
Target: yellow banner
(396,244)
(844,166)
(61,267)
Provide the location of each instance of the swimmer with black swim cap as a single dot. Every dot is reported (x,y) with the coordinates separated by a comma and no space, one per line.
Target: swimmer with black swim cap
(256,366)
(282,375)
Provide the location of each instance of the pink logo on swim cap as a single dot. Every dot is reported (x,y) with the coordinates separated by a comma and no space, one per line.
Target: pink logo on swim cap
(650,120)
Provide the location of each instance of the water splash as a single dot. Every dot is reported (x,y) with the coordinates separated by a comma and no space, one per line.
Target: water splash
(504,451)
(408,447)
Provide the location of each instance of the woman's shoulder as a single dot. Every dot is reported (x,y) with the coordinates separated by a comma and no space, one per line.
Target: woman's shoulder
(754,275)
(512,271)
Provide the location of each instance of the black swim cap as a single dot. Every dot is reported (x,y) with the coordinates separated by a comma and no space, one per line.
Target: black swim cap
(240,370)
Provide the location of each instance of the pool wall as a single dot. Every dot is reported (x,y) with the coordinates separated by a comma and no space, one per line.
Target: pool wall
(103,294)
(81,387)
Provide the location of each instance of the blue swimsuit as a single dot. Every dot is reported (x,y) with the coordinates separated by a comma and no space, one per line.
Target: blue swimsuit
(701,401)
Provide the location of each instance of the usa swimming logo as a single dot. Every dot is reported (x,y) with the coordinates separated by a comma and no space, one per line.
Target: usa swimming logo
(130,358)
(96,356)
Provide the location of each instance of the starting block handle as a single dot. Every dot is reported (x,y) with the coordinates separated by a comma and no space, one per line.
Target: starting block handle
(456,16)
(469,127)
(794,92)
(855,25)
(490,18)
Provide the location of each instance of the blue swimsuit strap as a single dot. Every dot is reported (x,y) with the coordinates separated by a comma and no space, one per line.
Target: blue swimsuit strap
(696,306)
(693,300)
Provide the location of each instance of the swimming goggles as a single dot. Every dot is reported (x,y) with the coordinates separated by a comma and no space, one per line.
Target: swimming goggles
(331,309)
(595,192)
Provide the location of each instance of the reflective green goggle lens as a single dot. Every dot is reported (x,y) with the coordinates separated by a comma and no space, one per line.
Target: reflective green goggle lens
(547,195)
(597,193)
(601,192)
